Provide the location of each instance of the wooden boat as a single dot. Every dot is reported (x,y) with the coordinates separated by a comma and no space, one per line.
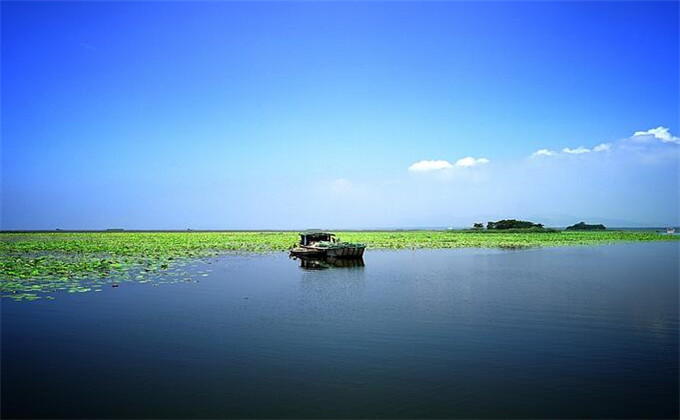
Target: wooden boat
(346,251)
(319,243)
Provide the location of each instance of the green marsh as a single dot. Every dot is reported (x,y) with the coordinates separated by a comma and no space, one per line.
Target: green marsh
(35,265)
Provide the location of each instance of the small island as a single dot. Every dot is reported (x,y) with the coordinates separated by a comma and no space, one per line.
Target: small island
(512,226)
(584,226)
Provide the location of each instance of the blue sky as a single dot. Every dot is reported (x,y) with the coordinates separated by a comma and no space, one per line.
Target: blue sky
(232,115)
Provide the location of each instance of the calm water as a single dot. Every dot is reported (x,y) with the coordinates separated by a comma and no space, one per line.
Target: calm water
(561,332)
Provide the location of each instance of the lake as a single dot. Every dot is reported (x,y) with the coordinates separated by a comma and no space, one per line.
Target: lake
(550,332)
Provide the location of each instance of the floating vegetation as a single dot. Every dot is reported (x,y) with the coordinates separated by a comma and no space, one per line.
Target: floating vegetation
(38,265)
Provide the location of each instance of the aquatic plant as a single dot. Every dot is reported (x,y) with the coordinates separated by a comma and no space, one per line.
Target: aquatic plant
(34,265)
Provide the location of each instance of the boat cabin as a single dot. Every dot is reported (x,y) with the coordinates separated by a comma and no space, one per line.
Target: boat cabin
(309,237)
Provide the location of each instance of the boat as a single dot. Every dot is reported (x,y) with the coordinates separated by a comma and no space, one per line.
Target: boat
(670,230)
(301,252)
(318,243)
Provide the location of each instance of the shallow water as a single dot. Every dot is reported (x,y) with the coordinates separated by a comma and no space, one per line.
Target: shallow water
(553,332)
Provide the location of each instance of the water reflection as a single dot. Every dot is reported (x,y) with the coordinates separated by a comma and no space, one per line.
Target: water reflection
(571,332)
(323,263)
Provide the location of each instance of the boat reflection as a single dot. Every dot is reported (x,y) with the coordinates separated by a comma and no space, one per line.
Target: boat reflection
(322,263)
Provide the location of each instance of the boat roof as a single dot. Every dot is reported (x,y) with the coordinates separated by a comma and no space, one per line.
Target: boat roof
(310,232)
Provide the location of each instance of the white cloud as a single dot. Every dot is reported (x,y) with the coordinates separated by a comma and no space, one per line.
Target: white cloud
(543,152)
(469,161)
(659,133)
(430,165)
(602,147)
(578,151)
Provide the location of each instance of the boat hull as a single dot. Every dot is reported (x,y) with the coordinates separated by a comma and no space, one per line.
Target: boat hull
(345,252)
(305,252)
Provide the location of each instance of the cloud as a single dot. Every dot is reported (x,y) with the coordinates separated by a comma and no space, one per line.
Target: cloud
(430,165)
(603,147)
(578,151)
(469,161)
(543,152)
(658,133)
(641,142)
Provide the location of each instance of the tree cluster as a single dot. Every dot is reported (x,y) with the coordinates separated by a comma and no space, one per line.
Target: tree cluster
(584,226)
(512,224)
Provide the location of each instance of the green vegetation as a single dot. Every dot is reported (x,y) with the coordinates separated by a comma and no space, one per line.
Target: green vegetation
(534,229)
(34,265)
(584,226)
(506,224)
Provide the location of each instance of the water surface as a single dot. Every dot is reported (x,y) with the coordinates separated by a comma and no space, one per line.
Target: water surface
(555,332)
